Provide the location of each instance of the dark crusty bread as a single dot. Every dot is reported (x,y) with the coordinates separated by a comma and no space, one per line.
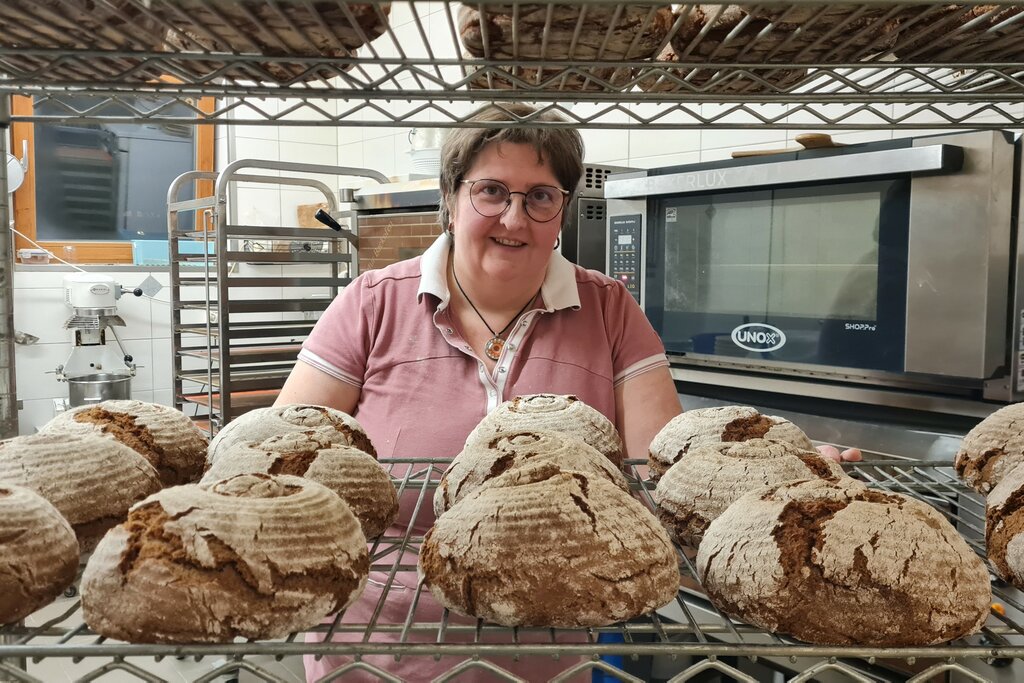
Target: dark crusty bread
(165,437)
(91,480)
(952,32)
(351,473)
(38,553)
(557,413)
(992,449)
(699,488)
(485,459)
(256,556)
(1004,521)
(835,563)
(710,426)
(538,546)
(259,425)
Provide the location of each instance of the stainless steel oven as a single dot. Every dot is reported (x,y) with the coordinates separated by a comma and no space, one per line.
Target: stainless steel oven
(885,269)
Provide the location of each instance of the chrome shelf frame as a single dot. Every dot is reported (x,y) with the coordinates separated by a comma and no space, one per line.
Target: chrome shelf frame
(701,631)
(953,69)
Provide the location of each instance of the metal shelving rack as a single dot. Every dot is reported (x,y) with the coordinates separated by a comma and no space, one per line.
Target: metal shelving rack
(882,65)
(691,627)
(239,364)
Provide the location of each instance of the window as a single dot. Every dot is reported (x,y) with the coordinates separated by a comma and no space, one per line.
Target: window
(95,187)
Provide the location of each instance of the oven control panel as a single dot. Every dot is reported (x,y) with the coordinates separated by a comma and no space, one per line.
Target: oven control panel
(624,251)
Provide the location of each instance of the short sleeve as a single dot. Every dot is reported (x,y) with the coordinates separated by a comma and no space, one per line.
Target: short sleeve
(340,342)
(636,347)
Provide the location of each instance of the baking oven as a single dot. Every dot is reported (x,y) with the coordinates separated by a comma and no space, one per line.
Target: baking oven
(875,272)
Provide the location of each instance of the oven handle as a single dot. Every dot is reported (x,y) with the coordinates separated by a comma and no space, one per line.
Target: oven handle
(926,159)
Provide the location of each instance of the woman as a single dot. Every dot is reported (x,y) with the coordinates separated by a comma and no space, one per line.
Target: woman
(421,350)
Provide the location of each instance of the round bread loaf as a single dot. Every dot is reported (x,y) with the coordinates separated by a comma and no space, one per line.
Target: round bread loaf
(539,546)
(91,480)
(551,412)
(482,460)
(698,488)
(165,437)
(710,426)
(835,563)
(259,425)
(256,556)
(351,473)
(38,553)
(993,448)
(1004,521)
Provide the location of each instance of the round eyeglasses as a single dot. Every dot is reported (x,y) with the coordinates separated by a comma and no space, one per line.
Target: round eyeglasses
(492,198)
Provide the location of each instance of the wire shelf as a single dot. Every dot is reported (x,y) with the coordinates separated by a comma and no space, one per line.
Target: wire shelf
(691,627)
(419,62)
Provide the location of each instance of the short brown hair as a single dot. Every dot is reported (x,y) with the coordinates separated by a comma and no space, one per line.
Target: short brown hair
(562,147)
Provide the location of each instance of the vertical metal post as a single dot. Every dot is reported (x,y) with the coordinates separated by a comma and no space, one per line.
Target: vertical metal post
(8,387)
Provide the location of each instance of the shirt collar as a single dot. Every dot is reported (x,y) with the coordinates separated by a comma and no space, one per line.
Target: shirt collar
(558,291)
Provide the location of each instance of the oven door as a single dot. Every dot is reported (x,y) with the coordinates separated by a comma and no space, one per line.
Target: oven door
(810,274)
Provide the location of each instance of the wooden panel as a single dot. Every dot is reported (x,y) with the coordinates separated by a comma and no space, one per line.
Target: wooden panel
(92,252)
(25,197)
(205,148)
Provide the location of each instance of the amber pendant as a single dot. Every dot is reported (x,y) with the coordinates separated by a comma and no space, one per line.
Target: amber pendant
(494,347)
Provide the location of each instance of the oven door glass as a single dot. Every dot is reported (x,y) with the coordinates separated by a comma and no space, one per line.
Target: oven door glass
(812,274)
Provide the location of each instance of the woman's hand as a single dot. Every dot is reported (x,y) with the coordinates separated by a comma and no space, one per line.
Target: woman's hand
(832,453)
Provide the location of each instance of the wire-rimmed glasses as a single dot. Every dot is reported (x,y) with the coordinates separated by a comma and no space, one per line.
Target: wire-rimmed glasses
(492,198)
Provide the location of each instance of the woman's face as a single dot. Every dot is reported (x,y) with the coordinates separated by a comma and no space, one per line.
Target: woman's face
(511,245)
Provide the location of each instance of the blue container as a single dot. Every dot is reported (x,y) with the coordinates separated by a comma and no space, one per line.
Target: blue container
(157,252)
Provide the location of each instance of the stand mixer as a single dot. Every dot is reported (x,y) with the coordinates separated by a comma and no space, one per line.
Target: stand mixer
(95,371)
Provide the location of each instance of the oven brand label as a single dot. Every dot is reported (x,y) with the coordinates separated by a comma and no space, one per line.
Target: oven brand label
(703,180)
(758,337)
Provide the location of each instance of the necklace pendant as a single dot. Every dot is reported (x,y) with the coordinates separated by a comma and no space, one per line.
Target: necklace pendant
(494,347)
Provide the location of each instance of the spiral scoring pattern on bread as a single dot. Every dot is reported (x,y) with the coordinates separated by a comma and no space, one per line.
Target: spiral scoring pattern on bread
(539,546)
(255,555)
(165,437)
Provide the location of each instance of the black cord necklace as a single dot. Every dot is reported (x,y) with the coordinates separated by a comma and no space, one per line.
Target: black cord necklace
(496,343)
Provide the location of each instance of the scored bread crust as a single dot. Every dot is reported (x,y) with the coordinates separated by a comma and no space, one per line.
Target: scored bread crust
(992,449)
(835,563)
(91,480)
(38,553)
(557,413)
(710,426)
(1004,522)
(699,488)
(165,437)
(542,547)
(482,460)
(263,423)
(351,473)
(256,556)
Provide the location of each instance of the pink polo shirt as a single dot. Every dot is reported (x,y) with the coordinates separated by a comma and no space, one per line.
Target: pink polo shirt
(390,333)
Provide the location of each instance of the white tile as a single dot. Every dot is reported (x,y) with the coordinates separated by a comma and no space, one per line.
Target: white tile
(164,397)
(646,143)
(380,154)
(307,153)
(41,312)
(603,145)
(712,138)
(291,199)
(319,135)
(162,364)
(35,367)
(26,279)
(34,414)
(142,394)
(141,351)
(135,311)
(718,153)
(351,155)
(258,206)
(160,323)
(661,160)
(349,134)
(259,149)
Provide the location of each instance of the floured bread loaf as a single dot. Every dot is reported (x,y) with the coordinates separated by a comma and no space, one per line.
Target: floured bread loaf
(985,32)
(256,556)
(351,473)
(483,460)
(1004,521)
(551,412)
(581,79)
(542,547)
(38,553)
(259,425)
(90,479)
(834,563)
(710,426)
(992,449)
(311,29)
(698,488)
(165,437)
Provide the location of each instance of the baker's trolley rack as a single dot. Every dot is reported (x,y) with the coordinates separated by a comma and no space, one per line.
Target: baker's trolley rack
(698,630)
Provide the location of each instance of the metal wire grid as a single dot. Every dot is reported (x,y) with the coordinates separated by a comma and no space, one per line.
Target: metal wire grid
(702,632)
(415,73)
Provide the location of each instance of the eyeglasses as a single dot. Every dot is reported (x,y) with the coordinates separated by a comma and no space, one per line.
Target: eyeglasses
(492,198)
